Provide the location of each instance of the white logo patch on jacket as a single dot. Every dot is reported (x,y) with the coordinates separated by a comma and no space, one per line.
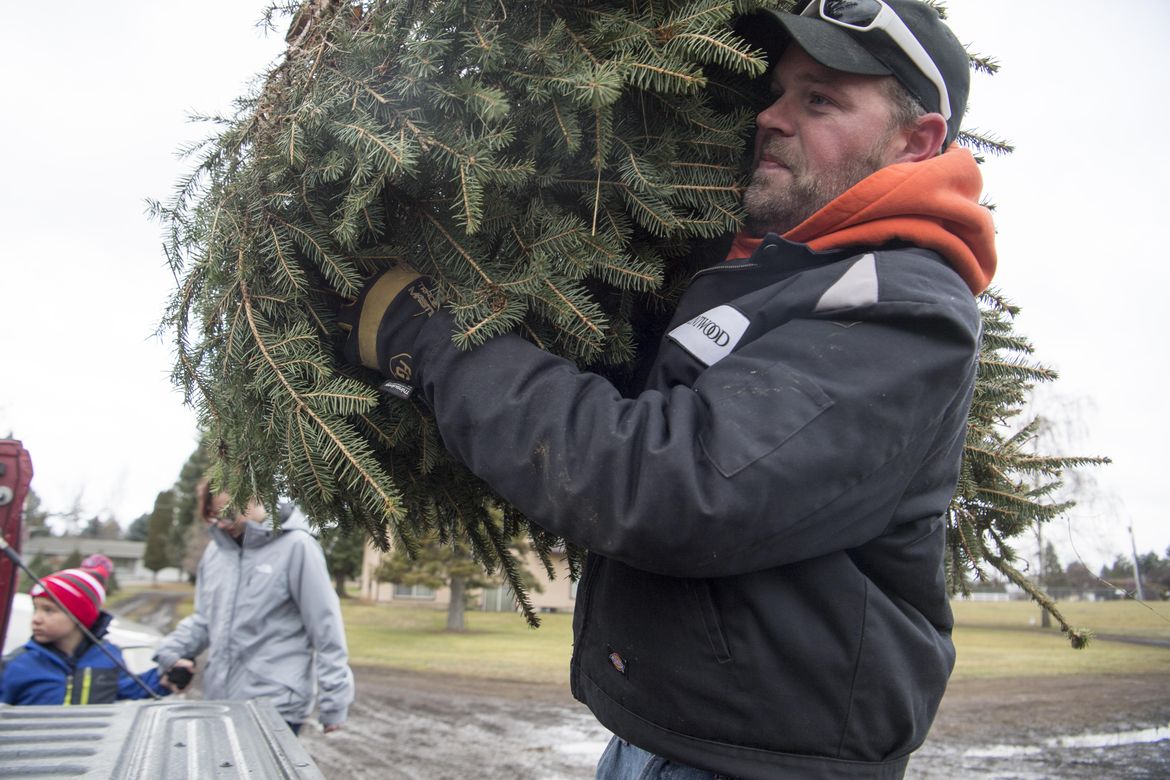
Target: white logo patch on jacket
(712,335)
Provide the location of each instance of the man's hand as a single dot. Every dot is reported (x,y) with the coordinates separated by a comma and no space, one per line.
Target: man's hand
(382,323)
(178,677)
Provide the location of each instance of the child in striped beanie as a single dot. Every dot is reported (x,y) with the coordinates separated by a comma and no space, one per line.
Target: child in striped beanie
(81,591)
(60,664)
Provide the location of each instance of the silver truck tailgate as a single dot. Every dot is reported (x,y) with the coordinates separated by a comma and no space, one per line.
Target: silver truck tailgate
(150,740)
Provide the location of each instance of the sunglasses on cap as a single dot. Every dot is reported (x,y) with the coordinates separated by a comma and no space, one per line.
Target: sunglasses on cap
(870,15)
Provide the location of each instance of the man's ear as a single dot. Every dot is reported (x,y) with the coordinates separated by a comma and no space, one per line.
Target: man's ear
(922,139)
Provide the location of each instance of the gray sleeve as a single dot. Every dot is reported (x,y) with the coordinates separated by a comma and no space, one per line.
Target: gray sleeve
(191,636)
(312,590)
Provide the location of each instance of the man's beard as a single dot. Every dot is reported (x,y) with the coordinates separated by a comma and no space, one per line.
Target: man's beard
(777,208)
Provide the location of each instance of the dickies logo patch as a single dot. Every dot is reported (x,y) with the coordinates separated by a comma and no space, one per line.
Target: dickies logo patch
(712,335)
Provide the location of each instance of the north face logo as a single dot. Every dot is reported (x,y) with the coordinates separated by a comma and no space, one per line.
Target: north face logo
(712,335)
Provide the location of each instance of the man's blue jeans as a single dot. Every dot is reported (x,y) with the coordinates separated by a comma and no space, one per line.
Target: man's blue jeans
(623,761)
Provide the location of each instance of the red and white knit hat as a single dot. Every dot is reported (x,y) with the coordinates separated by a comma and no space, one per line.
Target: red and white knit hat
(98,565)
(79,590)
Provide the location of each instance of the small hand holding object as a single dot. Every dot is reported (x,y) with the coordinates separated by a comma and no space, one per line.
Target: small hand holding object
(178,677)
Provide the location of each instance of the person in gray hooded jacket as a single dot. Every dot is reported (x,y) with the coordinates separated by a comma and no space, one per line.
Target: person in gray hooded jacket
(266,612)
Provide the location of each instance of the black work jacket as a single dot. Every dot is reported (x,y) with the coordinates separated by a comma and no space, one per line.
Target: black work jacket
(765,593)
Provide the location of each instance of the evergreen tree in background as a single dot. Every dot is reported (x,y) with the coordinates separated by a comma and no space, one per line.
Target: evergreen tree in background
(439,563)
(40,566)
(97,528)
(36,517)
(1080,577)
(112,584)
(186,485)
(185,488)
(1155,574)
(138,529)
(554,166)
(157,555)
(343,556)
(1052,574)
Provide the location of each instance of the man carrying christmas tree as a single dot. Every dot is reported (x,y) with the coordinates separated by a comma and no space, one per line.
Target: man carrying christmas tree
(764,595)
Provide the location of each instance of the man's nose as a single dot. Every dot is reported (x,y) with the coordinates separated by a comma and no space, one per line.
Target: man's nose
(776,116)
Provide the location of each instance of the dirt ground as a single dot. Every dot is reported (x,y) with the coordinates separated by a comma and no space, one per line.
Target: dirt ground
(410,726)
(418,727)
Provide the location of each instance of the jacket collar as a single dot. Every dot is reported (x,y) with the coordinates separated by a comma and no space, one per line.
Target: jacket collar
(933,204)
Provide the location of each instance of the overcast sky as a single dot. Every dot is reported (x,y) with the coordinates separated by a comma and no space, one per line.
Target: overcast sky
(96,97)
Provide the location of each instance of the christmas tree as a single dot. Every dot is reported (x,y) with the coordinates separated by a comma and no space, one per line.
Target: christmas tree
(551,165)
(544,162)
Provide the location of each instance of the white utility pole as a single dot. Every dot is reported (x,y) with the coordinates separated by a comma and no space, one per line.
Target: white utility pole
(1137,572)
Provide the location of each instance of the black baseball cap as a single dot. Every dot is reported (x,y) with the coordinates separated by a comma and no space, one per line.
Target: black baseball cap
(873,52)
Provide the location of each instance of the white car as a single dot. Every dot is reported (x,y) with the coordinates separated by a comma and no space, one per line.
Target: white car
(136,641)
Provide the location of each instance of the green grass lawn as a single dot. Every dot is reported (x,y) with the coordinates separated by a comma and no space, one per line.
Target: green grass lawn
(497,645)
(993,639)
(1004,639)
(1149,619)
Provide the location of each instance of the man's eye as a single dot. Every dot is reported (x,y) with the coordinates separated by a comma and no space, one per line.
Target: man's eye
(818,100)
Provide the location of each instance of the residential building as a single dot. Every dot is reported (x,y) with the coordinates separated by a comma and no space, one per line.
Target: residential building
(556,595)
(126,555)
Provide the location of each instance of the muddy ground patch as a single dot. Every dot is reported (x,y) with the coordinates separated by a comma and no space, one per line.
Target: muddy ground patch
(408,725)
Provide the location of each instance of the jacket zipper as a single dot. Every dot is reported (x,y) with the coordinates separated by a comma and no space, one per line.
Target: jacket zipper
(71,682)
(235,602)
(86,683)
(725,269)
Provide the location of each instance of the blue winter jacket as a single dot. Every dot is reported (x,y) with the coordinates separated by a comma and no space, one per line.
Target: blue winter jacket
(42,674)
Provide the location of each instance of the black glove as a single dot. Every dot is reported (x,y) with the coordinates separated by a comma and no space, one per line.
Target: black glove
(180,676)
(383,322)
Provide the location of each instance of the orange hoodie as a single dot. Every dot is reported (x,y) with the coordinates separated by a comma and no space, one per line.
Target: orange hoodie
(933,204)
